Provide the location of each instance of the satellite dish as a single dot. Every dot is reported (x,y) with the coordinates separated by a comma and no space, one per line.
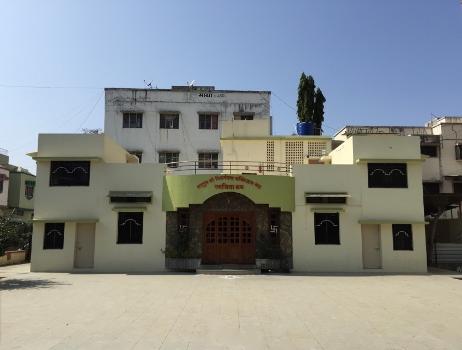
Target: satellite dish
(191,84)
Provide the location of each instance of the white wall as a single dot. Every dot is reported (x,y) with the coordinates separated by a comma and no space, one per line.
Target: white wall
(188,139)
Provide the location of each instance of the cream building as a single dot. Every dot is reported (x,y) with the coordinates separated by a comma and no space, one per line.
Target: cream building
(271,202)
(17,187)
(441,147)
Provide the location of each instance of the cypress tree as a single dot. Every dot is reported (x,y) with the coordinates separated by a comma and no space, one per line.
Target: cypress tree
(301,101)
(309,93)
(318,111)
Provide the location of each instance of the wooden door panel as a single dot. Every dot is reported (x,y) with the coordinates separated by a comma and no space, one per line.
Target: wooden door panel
(229,238)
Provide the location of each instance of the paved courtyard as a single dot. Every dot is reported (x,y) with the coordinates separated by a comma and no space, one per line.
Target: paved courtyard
(187,311)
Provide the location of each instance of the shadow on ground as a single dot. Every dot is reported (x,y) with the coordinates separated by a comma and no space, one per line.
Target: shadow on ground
(15,283)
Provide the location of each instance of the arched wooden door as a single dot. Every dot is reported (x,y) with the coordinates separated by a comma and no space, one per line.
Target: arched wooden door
(228,238)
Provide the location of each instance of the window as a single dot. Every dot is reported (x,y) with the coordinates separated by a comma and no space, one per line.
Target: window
(53,236)
(243,116)
(325,198)
(431,187)
(169,158)
(1,185)
(459,151)
(208,121)
(72,173)
(208,160)
(130,197)
(130,228)
(29,189)
(402,237)
(457,187)
(169,121)
(138,154)
(387,175)
(429,150)
(133,120)
(326,228)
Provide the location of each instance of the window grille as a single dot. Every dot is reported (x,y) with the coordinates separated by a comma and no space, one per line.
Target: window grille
(387,175)
(270,155)
(132,120)
(169,121)
(326,228)
(208,121)
(130,228)
(69,173)
(402,237)
(208,160)
(53,236)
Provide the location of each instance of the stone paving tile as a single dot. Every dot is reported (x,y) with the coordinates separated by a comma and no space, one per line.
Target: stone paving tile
(186,311)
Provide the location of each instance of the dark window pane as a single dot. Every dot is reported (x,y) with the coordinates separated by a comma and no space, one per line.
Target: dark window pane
(457,187)
(169,158)
(53,236)
(132,120)
(130,228)
(459,151)
(169,121)
(208,160)
(431,151)
(326,200)
(402,237)
(71,173)
(431,188)
(326,228)
(243,116)
(387,175)
(208,121)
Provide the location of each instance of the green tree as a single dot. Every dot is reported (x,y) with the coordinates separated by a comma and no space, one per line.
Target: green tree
(14,233)
(305,101)
(318,112)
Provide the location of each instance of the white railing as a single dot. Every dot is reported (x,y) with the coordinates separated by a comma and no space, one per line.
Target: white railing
(229,167)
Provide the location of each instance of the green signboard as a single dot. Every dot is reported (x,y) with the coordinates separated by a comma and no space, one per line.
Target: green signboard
(180,191)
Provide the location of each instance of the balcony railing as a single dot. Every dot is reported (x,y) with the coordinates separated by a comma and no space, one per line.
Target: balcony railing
(229,167)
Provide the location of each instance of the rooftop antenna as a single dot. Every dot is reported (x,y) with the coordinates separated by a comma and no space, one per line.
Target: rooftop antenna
(148,85)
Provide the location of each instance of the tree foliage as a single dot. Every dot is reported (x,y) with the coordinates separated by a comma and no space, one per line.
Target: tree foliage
(310,103)
(14,233)
(318,112)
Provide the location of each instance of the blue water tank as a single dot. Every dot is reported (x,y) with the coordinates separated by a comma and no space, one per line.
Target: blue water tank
(305,128)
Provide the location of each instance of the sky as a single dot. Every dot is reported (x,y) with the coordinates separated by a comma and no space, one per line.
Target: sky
(388,62)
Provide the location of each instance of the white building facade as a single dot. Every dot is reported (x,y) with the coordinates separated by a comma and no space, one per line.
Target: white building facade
(179,124)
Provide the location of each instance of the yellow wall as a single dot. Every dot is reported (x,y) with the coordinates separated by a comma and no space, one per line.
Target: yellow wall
(71,203)
(385,206)
(246,128)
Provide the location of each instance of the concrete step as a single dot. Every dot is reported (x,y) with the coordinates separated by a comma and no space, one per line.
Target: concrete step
(228,270)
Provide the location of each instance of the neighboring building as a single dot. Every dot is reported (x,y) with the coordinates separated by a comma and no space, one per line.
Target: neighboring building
(441,147)
(261,203)
(4,180)
(17,186)
(179,124)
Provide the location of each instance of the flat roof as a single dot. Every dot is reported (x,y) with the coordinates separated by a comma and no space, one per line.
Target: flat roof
(279,137)
(381,126)
(191,90)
